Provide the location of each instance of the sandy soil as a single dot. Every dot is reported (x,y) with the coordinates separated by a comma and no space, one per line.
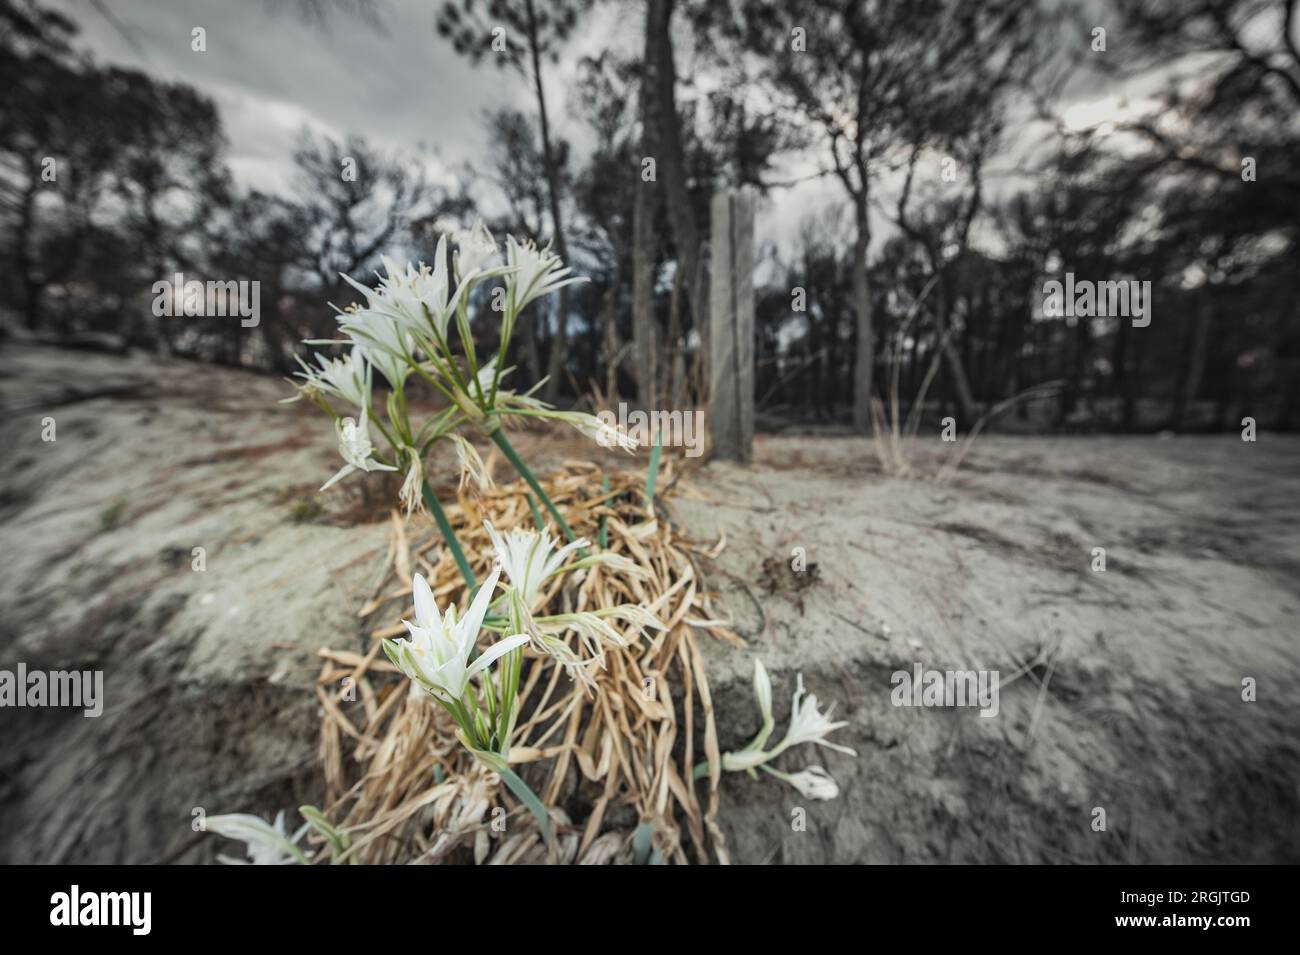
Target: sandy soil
(1132,700)
(1120,690)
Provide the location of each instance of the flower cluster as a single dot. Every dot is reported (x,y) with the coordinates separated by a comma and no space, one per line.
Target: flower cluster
(403,329)
(442,655)
(807,725)
(530,559)
(437,658)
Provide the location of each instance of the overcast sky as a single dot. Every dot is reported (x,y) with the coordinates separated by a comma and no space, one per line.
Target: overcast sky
(272,72)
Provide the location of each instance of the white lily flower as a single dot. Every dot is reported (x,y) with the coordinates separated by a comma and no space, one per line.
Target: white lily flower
(437,655)
(355,446)
(528,558)
(434,291)
(347,377)
(809,725)
(475,248)
(384,340)
(267,844)
(413,299)
(813,782)
(537,273)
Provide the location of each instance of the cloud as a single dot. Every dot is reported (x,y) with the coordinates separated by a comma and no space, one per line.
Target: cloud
(273,72)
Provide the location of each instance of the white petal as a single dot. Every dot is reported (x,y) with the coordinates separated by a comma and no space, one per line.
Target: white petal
(426,608)
(473,621)
(492,653)
(342,473)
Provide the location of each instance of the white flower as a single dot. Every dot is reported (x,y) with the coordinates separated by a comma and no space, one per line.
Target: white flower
(528,558)
(355,446)
(411,299)
(347,377)
(267,844)
(475,248)
(813,782)
(808,725)
(437,655)
(383,339)
(537,272)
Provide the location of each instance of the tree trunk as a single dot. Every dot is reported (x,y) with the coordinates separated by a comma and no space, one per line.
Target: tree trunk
(643,269)
(670,159)
(560,343)
(960,383)
(644,250)
(609,337)
(864,353)
(26,262)
(1195,367)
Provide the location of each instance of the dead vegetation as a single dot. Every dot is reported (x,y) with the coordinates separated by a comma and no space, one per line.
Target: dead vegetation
(613,766)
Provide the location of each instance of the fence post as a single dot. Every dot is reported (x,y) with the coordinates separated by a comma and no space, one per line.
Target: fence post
(731,326)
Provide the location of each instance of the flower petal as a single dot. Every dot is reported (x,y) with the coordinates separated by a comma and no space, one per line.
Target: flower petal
(497,650)
(426,608)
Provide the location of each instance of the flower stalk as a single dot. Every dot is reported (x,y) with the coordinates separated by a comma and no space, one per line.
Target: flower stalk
(448,534)
(405,329)
(501,441)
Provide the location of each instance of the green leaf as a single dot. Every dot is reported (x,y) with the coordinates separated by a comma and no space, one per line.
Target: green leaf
(520,788)
(339,842)
(641,844)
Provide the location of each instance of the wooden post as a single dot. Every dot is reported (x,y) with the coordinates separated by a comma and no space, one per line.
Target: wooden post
(731,327)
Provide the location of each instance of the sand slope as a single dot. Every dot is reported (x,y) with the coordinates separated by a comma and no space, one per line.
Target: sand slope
(1128,694)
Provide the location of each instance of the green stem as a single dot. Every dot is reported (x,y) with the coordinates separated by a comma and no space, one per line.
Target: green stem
(507,329)
(448,535)
(537,515)
(502,442)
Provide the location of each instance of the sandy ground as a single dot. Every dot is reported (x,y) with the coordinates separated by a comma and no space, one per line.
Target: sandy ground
(1120,690)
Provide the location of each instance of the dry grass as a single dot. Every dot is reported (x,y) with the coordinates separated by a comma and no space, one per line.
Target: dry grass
(399,781)
(894,438)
